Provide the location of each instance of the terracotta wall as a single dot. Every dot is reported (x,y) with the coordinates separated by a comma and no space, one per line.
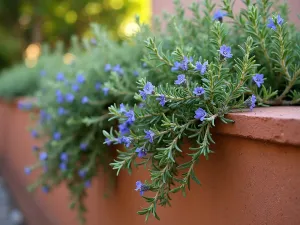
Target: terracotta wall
(160,6)
(253,178)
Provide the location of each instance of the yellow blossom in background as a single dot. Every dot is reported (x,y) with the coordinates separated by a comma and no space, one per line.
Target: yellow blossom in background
(31,55)
(93,8)
(68,58)
(71,17)
(129,27)
(116,4)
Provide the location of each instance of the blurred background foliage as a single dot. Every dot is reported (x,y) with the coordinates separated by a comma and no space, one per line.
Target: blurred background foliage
(25,24)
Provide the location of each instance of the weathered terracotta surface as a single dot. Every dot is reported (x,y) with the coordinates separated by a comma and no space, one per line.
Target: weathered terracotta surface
(4,119)
(253,177)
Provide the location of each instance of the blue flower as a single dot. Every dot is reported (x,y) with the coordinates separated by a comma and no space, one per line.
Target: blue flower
(43,73)
(61,111)
(149,135)
(60,99)
(69,97)
(130,116)
(27,170)
(43,156)
(57,136)
(143,95)
(25,105)
(253,100)
(107,68)
(80,78)
(64,156)
(199,91)
(141,187)
(144,65)
(258,79)
(35,148)
(44,116)
(34,134)
(180,79)
(135,73)
(200,114)
(162,100)
(63,166)
(122,108)
(93,41)
(141,152)
(176,67)
(83,146)
(45,189)
(148,88)
(84,100)
(87,184)
(105,91)
(118,69)
(280,20)
(82,173)
(225,51)
(108,141)
(125,140)
(58,93)
(201,67)
(272,24)
(218,15)
(60,77)
(98,86)
(75,87)
(185,62)
(123,128)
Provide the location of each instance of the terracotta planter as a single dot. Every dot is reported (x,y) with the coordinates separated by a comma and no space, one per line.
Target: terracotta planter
(253,178)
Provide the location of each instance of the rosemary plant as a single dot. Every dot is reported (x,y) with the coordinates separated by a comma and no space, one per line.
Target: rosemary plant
(73,101)
(211,65)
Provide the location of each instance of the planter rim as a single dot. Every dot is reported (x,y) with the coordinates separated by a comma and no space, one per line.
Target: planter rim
(15,101)
(272,124)
(277,124)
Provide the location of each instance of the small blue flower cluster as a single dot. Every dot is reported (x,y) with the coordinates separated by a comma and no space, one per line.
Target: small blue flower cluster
(148,90)
(44,116)
(25,105)
(124,128)
(258,79)
(218,15)
(82,173)
(69,97)
(141,187)
(275,21)
(64,157)
(117,68)
(225,51)
(253,101)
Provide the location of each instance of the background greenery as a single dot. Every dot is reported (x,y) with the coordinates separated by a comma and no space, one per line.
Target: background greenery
(25,22)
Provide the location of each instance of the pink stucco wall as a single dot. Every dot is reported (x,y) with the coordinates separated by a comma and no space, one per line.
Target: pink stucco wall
(160,6)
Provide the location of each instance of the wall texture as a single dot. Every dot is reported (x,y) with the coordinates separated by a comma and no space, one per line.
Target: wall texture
(253,177)
(160,6)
